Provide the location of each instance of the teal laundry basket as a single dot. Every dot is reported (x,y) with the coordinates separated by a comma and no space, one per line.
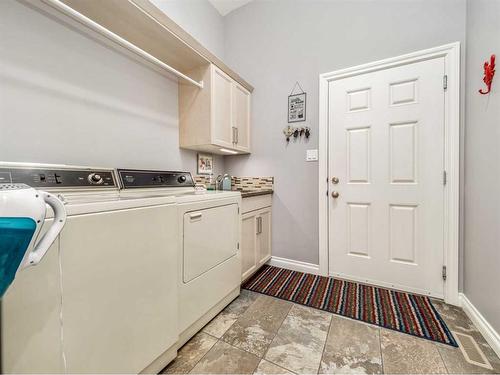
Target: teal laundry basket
(15,236)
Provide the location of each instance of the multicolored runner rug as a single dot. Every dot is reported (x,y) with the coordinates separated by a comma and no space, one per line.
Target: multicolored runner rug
(404,312)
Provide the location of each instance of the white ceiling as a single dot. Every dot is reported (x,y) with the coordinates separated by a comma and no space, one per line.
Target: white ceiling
(227,6)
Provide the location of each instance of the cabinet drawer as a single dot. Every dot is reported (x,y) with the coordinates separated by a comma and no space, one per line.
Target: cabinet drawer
(256,203)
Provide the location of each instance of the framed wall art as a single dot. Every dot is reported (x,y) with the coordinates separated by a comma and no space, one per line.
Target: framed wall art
(205,164)
(297,105)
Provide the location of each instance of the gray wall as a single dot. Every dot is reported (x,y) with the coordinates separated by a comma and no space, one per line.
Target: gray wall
(275,43)
(67,98)
(200,19)
(482,164)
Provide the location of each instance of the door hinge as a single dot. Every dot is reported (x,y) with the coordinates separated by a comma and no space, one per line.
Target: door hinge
(445,82)
(445,177)
(444,273)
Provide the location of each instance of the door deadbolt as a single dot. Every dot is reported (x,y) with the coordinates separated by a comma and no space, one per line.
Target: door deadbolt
(335,180)
(335,194)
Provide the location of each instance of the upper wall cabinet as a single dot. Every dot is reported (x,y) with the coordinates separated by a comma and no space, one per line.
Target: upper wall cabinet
(216,118)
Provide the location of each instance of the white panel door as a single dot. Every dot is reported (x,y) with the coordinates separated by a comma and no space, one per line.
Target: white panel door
(386,147)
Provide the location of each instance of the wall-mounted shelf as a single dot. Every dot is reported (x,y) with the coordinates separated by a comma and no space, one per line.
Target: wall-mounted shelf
(141,27)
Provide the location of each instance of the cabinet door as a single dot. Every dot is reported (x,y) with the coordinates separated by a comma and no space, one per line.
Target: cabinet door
(203,247)
(264,236)
(241,117)
(222,131)
(248,244)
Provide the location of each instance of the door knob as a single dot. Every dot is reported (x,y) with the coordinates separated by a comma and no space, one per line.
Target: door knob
(335,194)
(335,180)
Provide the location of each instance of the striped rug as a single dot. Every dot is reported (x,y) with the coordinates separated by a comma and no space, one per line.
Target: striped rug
(403,312)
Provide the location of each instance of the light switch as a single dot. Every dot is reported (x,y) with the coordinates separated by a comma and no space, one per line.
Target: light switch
(311,155)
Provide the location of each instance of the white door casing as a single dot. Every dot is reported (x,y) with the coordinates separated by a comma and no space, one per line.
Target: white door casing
(388,130)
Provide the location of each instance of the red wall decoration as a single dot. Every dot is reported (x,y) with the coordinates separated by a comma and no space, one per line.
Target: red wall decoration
(489,73)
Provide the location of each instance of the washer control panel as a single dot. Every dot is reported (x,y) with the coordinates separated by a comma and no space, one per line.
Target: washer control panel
(58,178)
(130,179)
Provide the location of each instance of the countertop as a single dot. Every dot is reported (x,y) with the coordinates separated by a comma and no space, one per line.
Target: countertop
(255,192)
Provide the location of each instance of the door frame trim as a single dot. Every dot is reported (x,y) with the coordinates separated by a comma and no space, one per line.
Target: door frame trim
(451,54)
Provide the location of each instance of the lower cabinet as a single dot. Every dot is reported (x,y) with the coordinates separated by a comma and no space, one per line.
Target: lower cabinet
(255,239)
(263,236)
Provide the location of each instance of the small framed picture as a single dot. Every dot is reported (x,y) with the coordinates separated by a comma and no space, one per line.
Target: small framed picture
(205,164)
(297,107)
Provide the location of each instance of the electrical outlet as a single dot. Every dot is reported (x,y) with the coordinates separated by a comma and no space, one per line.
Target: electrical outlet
(311,155)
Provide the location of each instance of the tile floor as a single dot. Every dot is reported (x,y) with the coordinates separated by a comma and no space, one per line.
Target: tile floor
(257,334)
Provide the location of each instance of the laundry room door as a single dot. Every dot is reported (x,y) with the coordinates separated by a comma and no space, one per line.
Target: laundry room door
(386,171)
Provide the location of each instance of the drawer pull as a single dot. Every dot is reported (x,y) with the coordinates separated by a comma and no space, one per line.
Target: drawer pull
(196,215)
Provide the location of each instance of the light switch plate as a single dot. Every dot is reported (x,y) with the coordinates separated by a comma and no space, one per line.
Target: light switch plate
(311,155)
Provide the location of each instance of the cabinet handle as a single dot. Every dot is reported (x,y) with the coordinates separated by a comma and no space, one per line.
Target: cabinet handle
(259,225)
(237,135)
(196,215)
(234,134)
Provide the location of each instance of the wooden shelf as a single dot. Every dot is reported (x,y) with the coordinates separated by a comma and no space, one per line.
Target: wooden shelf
(145,26)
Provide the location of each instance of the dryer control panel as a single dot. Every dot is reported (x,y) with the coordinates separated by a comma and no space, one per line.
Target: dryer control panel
(44,177)
(130,179)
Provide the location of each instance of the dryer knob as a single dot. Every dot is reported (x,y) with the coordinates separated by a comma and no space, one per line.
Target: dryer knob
(182,179)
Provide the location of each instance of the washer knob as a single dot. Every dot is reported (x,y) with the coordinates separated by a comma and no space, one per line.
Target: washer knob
(181,179)
(95,178)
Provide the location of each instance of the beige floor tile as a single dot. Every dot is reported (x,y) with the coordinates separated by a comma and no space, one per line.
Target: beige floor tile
(299,343)
(190,354)
(256,328)
(458,321)
(351,348)
(454,317)
(404,354)
(222,322)
(266,367)
(226,359)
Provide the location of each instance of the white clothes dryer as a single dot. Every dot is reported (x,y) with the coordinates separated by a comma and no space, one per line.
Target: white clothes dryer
(209,259)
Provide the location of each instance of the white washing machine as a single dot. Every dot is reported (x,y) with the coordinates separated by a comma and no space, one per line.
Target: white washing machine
(104,298)
(209,267)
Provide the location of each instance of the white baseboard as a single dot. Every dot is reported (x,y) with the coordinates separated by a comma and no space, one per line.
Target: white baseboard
(294,265)
(481,323)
